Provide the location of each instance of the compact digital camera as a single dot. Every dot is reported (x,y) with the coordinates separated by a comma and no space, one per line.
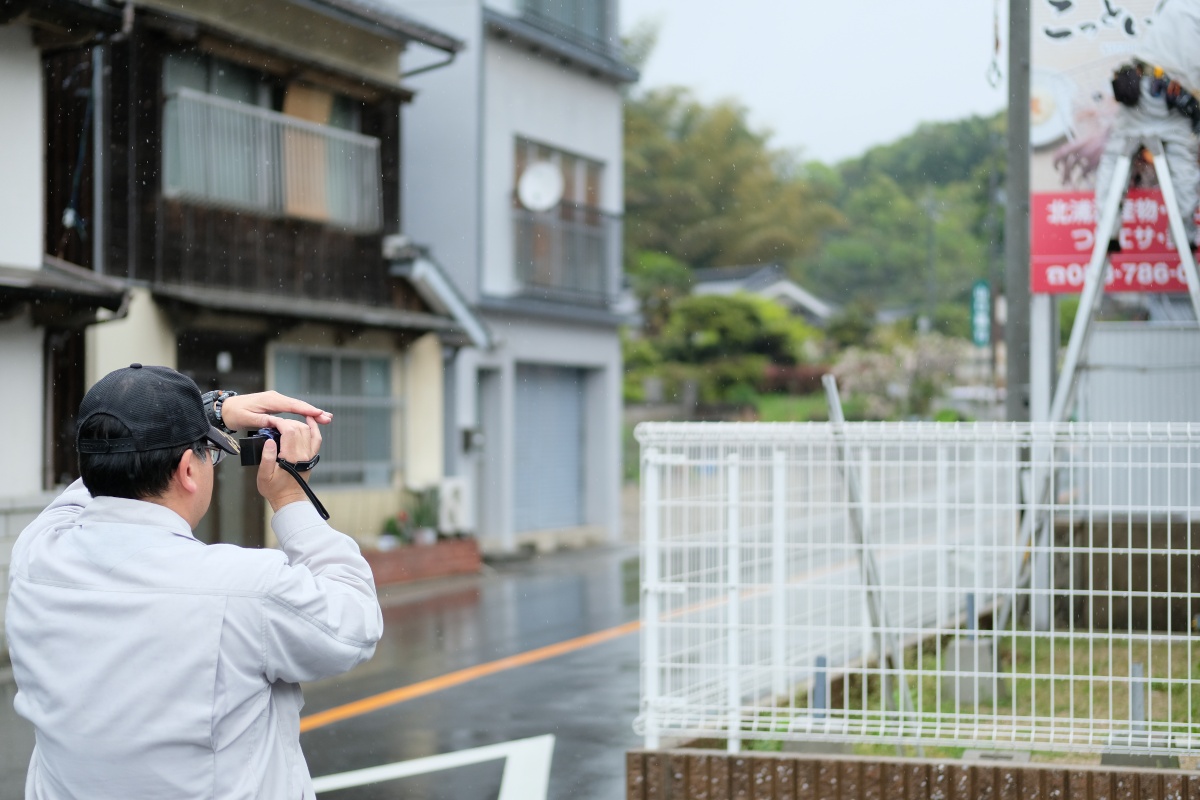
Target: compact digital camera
(252,446)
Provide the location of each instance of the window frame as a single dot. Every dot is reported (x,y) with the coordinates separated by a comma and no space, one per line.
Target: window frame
(325,475)
(587,194)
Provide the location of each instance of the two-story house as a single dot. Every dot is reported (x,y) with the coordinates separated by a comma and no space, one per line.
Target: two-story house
(215,186)
(515,179)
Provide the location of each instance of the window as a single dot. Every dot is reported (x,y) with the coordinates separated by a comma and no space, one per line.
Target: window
(566,249)
(358,449)
(237,138)
(583,20)
(233,178)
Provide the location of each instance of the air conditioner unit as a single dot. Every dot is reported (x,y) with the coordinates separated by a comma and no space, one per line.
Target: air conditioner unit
(456,509)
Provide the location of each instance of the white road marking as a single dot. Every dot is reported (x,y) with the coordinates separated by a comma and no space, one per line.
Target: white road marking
(526,768)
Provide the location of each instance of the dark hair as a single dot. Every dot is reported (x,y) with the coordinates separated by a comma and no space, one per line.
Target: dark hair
(131,475)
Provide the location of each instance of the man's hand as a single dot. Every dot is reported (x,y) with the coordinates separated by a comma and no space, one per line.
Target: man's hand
(299,441)
(253,411)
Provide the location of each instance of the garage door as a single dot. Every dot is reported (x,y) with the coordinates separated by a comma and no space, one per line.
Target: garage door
(549,447)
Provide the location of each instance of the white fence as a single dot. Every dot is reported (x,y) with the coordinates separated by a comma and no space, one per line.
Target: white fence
(233,155)
(780,561)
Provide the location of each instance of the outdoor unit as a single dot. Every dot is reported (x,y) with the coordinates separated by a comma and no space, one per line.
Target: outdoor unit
(456,512)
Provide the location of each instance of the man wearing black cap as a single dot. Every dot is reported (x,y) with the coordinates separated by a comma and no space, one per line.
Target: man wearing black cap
(150,664)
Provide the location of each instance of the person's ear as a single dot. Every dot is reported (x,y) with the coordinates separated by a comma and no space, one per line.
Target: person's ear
(186,471)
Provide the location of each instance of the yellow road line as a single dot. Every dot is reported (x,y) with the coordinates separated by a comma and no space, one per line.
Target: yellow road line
(415,690)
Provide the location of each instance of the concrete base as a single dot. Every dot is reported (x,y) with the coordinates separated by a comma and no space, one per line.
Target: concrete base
(968,656)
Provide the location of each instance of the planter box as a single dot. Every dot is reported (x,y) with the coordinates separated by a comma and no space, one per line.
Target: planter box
(717,775)
(419,562)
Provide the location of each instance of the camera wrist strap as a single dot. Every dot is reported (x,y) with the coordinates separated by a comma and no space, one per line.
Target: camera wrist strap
(304,485)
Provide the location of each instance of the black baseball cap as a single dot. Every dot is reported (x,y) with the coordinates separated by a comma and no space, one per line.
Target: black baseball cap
(161,408)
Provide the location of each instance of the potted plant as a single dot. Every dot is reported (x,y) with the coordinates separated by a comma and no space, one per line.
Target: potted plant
(425,516)
(397,531)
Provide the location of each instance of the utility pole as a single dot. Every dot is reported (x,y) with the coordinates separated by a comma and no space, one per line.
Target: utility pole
(994,204)
(1016,221)
(925,321)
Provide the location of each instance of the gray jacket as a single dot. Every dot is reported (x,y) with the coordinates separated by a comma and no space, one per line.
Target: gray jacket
(154,666)
(1172,42)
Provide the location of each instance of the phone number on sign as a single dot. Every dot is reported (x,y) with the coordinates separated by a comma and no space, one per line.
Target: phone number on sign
(1132,275)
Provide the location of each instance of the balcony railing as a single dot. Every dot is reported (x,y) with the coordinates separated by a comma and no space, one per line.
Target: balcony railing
(231,155)
(567,253)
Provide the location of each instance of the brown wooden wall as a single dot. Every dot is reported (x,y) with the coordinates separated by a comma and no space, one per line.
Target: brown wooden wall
(151,238)
(714,775)
(222,249)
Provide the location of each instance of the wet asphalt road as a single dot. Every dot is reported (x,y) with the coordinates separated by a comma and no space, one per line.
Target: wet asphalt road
(586,699)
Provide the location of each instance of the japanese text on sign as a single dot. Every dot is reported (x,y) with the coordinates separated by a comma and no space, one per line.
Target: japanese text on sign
(1064,234)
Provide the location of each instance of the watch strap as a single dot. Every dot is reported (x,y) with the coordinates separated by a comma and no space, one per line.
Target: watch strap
(303,466)
(213,400)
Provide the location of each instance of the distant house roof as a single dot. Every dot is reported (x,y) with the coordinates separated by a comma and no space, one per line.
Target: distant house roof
(767,280)
(539,38)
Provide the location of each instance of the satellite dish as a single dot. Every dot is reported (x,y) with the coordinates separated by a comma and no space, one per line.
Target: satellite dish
(541,186)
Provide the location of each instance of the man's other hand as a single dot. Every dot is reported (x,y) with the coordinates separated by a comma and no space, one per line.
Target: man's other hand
(253,411)
(299,441)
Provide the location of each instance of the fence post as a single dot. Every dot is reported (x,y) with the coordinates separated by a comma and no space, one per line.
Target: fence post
(733,523)
(1137,701)
(778,572)
(1041,591)
(983,598)
(651,574)
(943,567)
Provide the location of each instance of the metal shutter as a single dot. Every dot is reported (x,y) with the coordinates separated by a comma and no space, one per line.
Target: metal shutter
(549,448)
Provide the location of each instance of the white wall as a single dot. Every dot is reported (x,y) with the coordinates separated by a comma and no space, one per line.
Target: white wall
(143,336)
(530,96)
(423,413)
(1141,373)
(24,407)
(440,135)
(531,341)
(21,143)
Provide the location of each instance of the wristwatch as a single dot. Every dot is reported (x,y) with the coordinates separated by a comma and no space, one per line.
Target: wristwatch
(212,407)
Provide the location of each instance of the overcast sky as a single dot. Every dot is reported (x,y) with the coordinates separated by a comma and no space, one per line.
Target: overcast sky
(831,77)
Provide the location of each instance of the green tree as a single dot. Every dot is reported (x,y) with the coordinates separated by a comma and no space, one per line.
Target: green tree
(658,281)
(883,252)
(852,326)
(707,328)
(703,187)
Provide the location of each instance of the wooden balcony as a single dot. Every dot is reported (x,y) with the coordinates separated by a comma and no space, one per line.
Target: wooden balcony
(235,156)
(256,201)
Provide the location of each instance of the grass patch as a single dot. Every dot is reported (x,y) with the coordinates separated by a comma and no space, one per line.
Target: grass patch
(792,408)
(805,407)
(1085,683)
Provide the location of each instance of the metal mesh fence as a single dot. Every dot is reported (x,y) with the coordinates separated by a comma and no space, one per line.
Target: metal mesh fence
(994,585)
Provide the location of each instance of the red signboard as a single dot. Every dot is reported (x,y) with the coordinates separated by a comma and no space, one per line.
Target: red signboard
(1063,234)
